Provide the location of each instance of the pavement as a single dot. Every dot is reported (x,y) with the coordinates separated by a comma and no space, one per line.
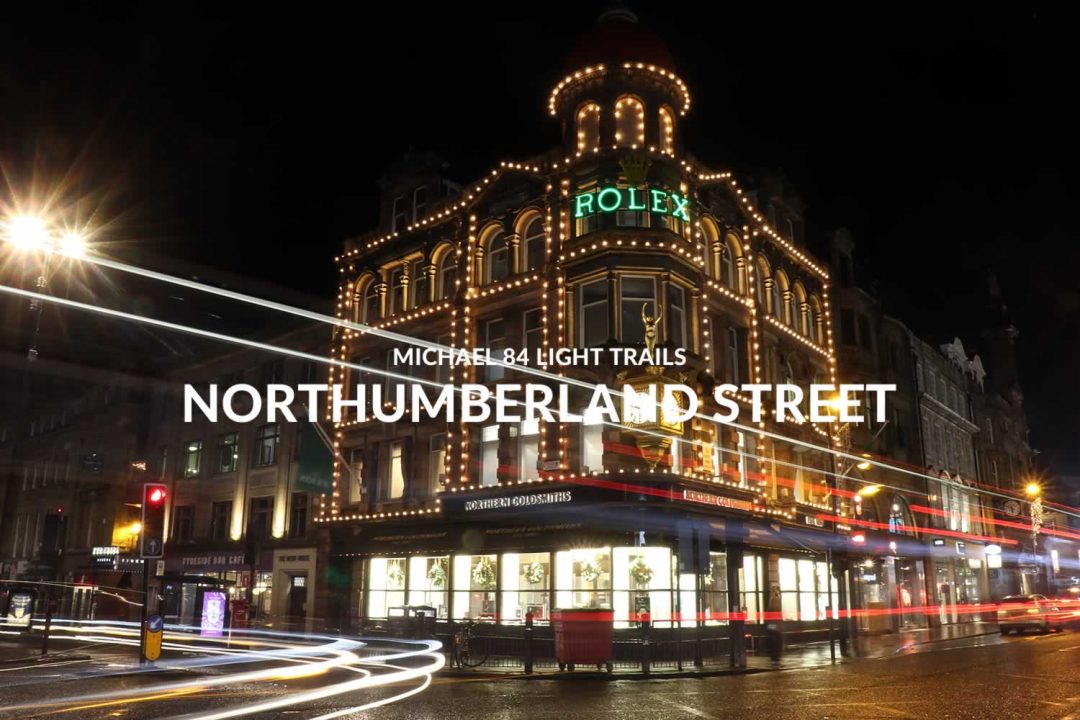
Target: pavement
(948,675)
(802,656)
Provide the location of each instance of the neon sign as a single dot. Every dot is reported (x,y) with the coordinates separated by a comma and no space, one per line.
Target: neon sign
(610,199)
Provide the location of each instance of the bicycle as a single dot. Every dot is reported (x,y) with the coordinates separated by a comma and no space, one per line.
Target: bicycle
(468,653)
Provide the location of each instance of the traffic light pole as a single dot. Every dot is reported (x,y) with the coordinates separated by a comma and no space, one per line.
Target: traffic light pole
(145,611)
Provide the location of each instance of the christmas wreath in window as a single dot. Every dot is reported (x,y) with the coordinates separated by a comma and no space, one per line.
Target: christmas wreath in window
(483,574)
(395,576)
(437,574)
(589,570)
(640,572)
(534,573)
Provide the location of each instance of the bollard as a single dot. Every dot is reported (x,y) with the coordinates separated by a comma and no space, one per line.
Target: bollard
(646,624)
(50,604)
(528,643)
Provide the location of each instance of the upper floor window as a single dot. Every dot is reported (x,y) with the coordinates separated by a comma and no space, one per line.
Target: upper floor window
(761,277)
(588,127)
(533,243)
(498,257)
(400,214)
(629,122)
(676,310)
(637,293)
(370,310)
(419,207)
(395,481)
(418,284)
(667,130)
(298,515)
(495,342)
(228,452)
(593,315)
(267,438)
(397,290)
(532,331)
(192,458)
(184,523)
(447,275)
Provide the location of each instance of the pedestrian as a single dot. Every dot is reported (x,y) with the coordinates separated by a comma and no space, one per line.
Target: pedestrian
(774,631)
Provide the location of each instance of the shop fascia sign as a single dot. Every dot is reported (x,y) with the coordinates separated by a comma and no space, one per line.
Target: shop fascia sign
(612,198)
(709,499)
(519,501)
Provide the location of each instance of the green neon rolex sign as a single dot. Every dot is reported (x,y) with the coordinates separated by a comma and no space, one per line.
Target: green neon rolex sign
(610,199)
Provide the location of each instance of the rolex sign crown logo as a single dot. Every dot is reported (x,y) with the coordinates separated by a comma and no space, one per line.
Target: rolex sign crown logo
(635,168)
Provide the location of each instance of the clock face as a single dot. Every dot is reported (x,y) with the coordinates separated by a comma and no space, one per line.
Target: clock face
(1011,507)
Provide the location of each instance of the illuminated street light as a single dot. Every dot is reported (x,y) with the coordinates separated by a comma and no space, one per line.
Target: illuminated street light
(72,244)
(27,232)
(1033,489)
(30,233)
(135,528)
(869,490)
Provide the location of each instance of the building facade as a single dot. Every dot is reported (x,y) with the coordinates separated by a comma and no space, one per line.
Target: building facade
(588,246)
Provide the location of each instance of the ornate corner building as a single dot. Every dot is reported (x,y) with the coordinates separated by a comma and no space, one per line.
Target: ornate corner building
(568,250)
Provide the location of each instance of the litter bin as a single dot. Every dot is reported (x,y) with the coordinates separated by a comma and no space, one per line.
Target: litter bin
(584,637)
(423,621)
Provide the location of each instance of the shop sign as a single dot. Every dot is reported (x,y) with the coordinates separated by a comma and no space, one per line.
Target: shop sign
(709,499)
(233,560)
(519,501)
(938,542)
(961,549)
(814,521)
(104,556)
(611,198)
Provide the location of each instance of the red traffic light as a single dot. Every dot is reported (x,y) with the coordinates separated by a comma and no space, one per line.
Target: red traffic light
(155,494)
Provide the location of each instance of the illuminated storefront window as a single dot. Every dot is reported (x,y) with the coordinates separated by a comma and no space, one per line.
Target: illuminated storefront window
(642,583)
(583,578)
(429,580)
(474,587)
(525,582)
(386,585)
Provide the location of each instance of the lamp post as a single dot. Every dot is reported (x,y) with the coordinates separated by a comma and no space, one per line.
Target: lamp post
(32,237)
(1034,491)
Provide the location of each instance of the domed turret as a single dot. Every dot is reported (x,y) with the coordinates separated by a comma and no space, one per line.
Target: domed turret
(621,90)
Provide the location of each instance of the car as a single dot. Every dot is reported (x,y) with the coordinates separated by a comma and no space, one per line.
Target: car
(1017,613)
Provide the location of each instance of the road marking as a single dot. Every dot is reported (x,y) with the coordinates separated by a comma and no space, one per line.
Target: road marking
(688,709)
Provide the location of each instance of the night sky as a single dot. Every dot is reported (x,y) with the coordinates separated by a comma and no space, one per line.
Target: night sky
(252,141)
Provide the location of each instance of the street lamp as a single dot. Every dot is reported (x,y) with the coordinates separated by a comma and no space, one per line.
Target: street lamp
(1034,491)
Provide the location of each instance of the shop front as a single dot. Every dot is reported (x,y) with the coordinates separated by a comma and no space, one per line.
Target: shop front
(961,587)
(190,575)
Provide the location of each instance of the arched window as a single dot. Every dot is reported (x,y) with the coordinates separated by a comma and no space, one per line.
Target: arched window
(761,276)
(588,127)
(779,290)
(733,277)
(532,242)
(629,122)
(498,257)
(798,302)
(447,275)
(710,240)
(370,311)
(814,320)
(667,130)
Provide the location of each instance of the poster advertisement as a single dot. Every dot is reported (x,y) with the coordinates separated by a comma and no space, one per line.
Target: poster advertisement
(20,608)
(213,613)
